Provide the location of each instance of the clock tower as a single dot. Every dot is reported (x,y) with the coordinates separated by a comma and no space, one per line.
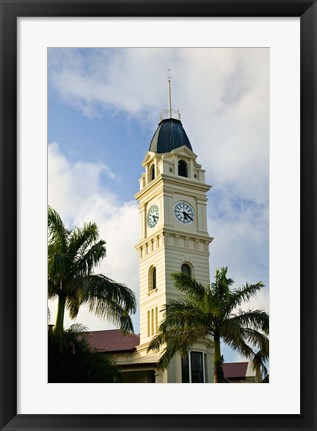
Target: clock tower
(174,237)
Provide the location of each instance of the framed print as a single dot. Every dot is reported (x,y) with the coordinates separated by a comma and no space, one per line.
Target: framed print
(275,42)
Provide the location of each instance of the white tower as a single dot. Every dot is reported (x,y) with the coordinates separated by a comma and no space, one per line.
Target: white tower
(174,236)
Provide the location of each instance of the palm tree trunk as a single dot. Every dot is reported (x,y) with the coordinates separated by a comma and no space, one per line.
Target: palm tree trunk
(59,325)
(218,373)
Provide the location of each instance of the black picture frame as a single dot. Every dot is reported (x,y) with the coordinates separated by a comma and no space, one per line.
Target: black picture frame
(10,11)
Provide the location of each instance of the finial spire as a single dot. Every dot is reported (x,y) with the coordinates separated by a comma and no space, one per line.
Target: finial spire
(169,93)
(169,113)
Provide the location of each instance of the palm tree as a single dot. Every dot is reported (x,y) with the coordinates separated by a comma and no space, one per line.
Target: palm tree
(72,256)
(206,312)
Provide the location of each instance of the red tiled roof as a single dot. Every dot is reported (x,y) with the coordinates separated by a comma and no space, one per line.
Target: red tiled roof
(235,370)
(113,340)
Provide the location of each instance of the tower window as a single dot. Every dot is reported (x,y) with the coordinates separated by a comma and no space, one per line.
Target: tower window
(152,321)
(182,168)
(148,323)
(156,320)
(185,369)
(197,367)
(152,278)
(193,368)
(152,172)
(185,269)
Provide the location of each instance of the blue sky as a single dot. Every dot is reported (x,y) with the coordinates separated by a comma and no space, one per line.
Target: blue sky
(103,108)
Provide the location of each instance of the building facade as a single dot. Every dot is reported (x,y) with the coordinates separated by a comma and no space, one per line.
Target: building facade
(173,237)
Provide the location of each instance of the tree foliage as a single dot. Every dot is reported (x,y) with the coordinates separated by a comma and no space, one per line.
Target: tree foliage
(72,257)
(71,359)
(213,312)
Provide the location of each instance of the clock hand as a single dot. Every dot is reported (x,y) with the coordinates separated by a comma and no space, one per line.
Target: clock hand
(187,216)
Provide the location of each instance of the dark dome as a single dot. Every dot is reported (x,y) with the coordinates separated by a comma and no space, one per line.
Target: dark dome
(168,136)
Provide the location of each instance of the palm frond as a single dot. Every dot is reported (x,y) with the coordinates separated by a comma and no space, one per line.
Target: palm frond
(52,289)
(86,261)
(157,342)
(81,239)
(182,327)
(72,304)
(108,288)
(182,313)
(259,364)
(59,266)
(246,341)
(256,338)
(111,310)
(237,343)
(221,285)
(256,319)
(221,293)
(188,285)
(78,328)
(174,341)
(244,294)
(57,232)
(109,299)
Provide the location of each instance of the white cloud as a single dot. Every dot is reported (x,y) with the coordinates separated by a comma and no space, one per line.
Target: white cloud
(98,80)
(75,193)
(223,95)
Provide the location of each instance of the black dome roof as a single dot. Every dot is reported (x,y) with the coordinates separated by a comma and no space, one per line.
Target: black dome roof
(169,135)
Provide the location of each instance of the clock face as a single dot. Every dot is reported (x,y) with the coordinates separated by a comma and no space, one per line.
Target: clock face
(153,216)
(184,212)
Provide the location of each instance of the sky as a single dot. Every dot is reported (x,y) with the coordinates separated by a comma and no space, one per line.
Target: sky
(103,108)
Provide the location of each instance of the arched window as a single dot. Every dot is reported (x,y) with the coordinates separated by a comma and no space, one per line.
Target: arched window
(185,269)
(152,172)
(182,168)
(152,278)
